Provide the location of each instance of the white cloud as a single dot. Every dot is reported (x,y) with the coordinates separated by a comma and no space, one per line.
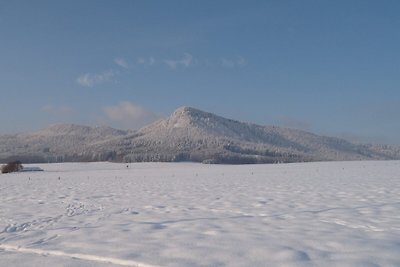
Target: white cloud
(171,63)
(233,63)
(146,61)
(367,139)
(151,61)
(90,80)
(121,62)
(241,61)
(58,110)
(227,63)
(185,62)
(129,115)
(291,122)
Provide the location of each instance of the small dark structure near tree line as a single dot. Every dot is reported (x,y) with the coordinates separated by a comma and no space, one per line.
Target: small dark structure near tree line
(14,166)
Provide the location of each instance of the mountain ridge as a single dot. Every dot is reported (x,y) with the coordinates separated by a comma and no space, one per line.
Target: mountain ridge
(188,134)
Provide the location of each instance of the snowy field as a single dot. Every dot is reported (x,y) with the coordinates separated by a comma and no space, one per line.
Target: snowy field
(166,214)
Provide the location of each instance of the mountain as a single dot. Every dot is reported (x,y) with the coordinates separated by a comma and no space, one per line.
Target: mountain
(187,135)
(193,135)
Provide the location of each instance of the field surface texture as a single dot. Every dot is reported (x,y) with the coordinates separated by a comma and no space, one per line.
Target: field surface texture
(168,214)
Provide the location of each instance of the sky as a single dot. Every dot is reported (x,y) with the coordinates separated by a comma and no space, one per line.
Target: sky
(329,67)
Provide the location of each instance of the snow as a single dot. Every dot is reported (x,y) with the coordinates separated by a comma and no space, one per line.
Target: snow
(186,214)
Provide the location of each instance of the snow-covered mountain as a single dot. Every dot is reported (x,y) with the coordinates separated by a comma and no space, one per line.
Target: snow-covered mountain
(195,135)
(187,135)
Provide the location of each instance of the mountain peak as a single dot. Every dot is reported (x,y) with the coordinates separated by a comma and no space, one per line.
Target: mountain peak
(189,111)
(185,117)
(184,109)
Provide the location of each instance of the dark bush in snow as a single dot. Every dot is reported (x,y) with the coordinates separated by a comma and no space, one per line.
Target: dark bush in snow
(14,166)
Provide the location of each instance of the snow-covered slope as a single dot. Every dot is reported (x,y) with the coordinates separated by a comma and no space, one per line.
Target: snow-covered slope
(187,135)
(192,134)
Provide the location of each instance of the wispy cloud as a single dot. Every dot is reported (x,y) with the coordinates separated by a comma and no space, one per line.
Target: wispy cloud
(121,62)
(90,80)
(366,139)
(57,110)
(53,113)
(290,122)
(146,61)
(233,63)
(129,115)
(185,62)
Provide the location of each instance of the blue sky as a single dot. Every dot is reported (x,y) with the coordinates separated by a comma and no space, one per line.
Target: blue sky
(330,67)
